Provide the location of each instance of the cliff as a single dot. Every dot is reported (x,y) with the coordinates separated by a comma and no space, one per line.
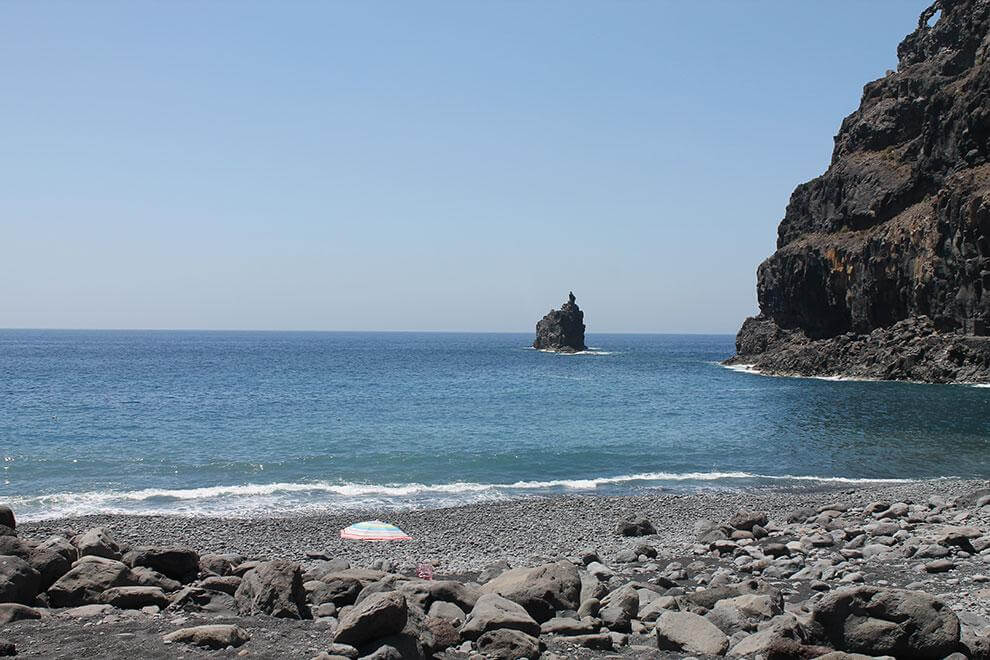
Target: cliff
(882,262)
(562,329)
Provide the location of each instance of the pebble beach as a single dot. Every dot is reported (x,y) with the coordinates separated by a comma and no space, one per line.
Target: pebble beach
(706,574)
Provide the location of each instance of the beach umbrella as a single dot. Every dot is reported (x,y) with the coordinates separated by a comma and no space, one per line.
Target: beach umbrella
(374,530)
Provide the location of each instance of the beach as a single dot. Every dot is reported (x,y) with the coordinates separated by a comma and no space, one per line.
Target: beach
(851,545)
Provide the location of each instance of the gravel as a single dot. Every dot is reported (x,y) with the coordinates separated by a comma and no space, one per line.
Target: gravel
(466,539)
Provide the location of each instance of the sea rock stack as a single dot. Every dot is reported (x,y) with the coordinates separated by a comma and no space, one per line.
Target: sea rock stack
(882,268)
(562,330)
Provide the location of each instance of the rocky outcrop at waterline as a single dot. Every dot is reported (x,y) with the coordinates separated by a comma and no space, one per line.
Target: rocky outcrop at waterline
(882,268)
(562,329)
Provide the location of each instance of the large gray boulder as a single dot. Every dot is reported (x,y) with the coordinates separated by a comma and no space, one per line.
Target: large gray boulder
(61,545)
(177,563)
(423,593)
(51,565)
(540,590)
(707,598)
(687,632)
(87,580)
(506,644)
(274,588)
(98,543)
(746,520)
(10,612)
(635,525)
(134,598)
(377,616)
(341,590)
(220,564)
(7,517)
(897,622)
(218,636)
(494,612)
(621,608)
(19,583)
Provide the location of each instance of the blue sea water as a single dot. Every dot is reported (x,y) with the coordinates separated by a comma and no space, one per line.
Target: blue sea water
(256,423)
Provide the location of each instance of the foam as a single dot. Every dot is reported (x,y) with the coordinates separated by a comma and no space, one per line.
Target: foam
(591,350)
(250,500)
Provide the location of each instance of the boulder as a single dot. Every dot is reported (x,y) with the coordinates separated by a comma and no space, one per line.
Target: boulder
(656,607)
(98,543)
(376,588)
(506,644)
(568,626)
(7,517)
(273,588)
(493,612)
(341,590)
(146,577)
(134,598)
(220,564)
(894,622)
(622,608)
(635,525)
(423,593)
(438,633)
(227,583)
(745,520)
(10,612)
(706,598)
(218,636)
(19,583)
(61,545)
(686,632)
(380,615)
(540,590)
(441,609)
(15,546)
(180,564)
(87,580)
(50,564)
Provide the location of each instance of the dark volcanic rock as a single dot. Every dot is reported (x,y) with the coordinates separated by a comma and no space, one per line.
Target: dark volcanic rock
(274,588)
(562,329)
(882,262)
(7,517)
(905,624)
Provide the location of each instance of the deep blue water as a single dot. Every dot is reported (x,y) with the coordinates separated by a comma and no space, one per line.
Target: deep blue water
(263,422)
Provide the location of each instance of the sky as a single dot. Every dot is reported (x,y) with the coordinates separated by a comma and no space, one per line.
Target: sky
(380,165)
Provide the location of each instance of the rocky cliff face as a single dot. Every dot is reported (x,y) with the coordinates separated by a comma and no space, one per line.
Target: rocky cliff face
(562,329)
(882,266)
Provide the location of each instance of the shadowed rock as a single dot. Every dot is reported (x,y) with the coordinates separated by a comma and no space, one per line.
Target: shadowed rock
(274,588)
(561,329)
(882,267)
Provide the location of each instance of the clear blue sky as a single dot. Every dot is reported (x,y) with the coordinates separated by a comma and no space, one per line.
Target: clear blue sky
(413,166)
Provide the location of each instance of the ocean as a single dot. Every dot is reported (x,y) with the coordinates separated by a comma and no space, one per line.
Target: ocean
(276,423)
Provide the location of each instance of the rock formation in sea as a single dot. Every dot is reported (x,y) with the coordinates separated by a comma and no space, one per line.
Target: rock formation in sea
(562,329)
(882,268)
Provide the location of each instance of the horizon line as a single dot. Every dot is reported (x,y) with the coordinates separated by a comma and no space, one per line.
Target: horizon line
(304,330)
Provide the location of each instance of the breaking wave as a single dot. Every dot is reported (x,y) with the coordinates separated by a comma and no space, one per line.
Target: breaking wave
(250,500)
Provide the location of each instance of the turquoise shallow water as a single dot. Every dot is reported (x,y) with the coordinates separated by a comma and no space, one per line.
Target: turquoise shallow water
(255,423)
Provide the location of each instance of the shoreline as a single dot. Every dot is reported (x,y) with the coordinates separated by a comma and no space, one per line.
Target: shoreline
(468,537)
(658,575)
(248,500)
(751,368)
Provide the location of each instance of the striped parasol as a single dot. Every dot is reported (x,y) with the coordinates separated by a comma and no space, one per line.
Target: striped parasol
(374,530)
